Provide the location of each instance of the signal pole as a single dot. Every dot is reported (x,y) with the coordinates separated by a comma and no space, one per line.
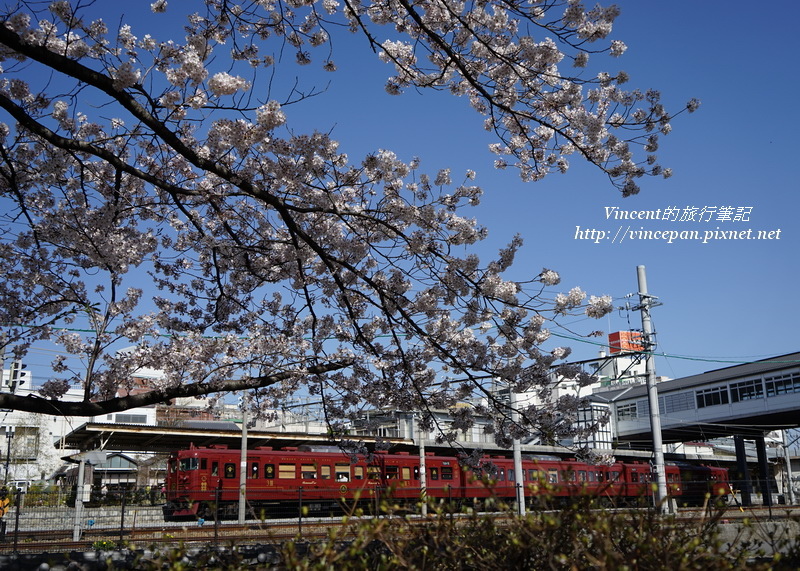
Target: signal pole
(646,301)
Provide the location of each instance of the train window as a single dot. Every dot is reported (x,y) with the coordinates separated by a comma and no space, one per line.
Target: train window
(373,472)
(511,476)
(552,476)
(392,472)
(358,473)
(635,476)
(533,475)
(613,476)
(308,472)
(189,464)
(230,470)
(581,475)
(568,476)
(203,463)
(253,473)
(287,471)
(342,472)
(592,476)
(215,468)
(325,472)
(406,473)
(416,472)
(269,471)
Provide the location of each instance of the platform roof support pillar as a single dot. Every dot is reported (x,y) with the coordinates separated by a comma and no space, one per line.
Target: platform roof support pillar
(742,483)
(763,472)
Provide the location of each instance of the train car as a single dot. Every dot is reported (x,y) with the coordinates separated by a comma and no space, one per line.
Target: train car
(704,484)
(557,479)
(204,482)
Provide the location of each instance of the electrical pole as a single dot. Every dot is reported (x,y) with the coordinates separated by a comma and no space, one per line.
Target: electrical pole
(519,475)
(423,477)
(243,467)
(647,301)
(2,358)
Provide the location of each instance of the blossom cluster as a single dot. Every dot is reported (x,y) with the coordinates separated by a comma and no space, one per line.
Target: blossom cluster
(271,257)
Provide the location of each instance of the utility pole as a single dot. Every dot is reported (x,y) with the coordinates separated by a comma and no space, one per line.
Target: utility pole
(2,358)
(423,476)
(646,301)
(243,467)
(519,475)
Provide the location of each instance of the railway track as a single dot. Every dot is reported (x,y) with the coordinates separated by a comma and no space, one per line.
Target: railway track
(735,513)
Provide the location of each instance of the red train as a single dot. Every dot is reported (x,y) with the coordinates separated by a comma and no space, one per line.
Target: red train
(204,482)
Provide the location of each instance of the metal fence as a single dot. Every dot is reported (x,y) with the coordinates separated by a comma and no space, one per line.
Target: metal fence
(52,520)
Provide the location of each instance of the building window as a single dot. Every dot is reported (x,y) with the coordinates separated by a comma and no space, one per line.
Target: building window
(747,390)
(626,412)
(782,384)
(131,418)
(25,443)
(712,397)
(677,402)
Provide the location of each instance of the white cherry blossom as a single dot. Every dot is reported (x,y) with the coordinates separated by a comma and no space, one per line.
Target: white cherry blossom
(156,194)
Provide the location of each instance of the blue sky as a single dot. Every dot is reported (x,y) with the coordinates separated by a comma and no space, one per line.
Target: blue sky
(722,301)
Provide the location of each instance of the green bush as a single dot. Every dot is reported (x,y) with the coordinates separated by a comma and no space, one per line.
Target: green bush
(104,545)
(576,536)
(579,535)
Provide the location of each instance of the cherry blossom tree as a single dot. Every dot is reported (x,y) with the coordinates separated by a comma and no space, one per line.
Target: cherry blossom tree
(154,199)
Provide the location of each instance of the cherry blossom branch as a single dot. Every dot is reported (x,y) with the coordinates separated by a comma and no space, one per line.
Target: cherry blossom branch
(96,408)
